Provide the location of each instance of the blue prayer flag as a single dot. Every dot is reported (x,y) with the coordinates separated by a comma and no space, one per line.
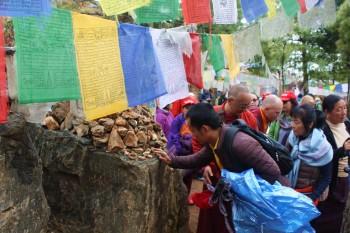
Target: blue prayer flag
(143,78)
(25,8)
(253,9)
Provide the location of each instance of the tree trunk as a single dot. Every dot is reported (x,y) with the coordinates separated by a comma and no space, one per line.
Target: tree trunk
(346,218)
(305,72)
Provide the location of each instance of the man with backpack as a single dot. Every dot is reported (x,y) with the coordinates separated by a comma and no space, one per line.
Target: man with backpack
(247,152)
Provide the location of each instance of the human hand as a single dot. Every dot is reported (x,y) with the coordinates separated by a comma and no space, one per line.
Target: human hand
(162,155)
(207,173)
(347,146)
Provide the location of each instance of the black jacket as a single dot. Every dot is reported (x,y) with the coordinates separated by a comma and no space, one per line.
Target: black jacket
(337,152)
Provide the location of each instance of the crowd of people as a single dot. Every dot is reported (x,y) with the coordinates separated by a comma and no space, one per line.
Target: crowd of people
(316,131)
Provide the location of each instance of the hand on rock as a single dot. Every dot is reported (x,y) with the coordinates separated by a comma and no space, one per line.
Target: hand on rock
(162,155)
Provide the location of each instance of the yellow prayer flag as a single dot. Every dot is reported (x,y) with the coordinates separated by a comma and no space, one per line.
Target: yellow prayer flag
(272,8)
(233,62)
(332,87)
(99,66)
(115,7)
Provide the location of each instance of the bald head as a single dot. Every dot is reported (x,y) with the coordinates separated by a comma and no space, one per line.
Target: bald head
(271,100)
(237,90)
(272,107)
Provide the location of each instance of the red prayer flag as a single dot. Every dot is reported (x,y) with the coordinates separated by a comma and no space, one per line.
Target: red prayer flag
(196,11)
(193,64)
(3,90)
(302,6)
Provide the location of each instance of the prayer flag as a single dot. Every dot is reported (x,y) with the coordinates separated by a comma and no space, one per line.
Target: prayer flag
(99,64)
(170,59)
(253,9)
(248,38)
(46,64)
(4,107)
(225,12)
(338,88)
(322,16)
(272,8)
(302,5)
(172,65)
(332,87)
(143,78)
(25,8)
(116,7)
(278,27)
(311,4)
(159,10)
(232,60)
(213,44)
(291,7)
(193,63)
(196,11)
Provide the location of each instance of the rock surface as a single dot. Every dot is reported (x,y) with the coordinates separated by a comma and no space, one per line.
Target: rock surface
(23,206)
(90,190)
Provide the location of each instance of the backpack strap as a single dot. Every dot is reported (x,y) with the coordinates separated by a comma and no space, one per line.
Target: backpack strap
(228,140)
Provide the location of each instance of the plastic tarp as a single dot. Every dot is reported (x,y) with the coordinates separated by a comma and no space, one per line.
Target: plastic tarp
(259,206)
(144,80)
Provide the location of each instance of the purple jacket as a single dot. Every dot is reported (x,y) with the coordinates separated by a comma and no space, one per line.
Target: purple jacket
(182,141)
(164,119)
(248,151)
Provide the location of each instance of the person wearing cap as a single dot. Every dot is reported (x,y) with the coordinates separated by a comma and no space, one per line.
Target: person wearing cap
(271,109)
(279,129)
(180,138)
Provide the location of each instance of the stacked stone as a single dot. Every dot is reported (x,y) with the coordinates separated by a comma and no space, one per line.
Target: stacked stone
(133,132)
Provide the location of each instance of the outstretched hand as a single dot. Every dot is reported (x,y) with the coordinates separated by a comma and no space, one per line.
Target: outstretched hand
(162,155)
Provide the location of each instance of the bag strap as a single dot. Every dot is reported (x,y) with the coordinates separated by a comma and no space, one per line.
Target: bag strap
(228,140)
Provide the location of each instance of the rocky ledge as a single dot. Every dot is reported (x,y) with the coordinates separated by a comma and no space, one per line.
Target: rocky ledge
(56,181)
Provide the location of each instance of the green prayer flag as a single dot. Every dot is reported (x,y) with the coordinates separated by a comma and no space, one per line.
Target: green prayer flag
(45,57)
(216,54)
(158,11)
(327,88)
(291,7)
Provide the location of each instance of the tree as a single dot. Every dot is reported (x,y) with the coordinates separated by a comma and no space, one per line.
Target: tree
(277,54)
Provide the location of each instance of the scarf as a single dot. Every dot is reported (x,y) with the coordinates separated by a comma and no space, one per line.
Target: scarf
(283,124)
(314,150)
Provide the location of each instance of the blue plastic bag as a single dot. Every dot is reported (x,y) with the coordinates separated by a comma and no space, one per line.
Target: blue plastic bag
(259,206)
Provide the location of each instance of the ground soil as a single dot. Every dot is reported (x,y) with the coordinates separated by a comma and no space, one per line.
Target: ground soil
(197,186)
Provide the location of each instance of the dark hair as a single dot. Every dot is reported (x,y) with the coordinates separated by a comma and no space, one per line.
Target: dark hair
(203,114)
(329,102)
(309,115)
(293,102)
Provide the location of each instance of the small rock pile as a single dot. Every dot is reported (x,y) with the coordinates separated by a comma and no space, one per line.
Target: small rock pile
(133,132)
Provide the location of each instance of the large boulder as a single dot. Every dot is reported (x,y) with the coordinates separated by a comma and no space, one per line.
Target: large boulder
(90,190)
(23,206)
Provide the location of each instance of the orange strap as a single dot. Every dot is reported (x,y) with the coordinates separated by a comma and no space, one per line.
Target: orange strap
(307,190)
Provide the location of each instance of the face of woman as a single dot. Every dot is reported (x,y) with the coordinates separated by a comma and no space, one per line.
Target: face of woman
(298,127)
(338,114)
(287,106)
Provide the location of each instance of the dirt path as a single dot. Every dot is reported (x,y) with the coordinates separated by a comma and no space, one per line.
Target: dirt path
(197,186)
